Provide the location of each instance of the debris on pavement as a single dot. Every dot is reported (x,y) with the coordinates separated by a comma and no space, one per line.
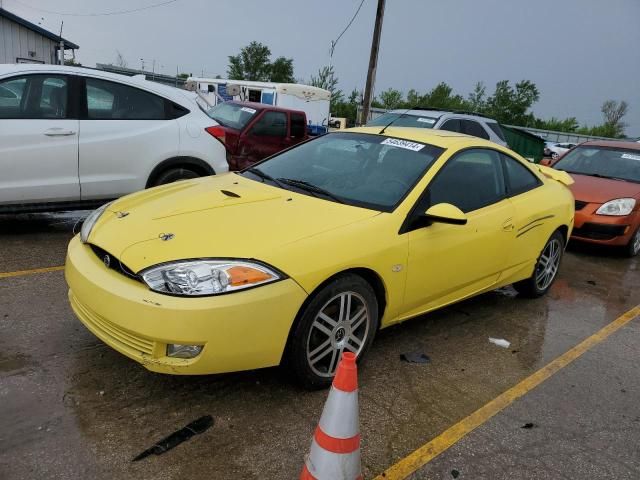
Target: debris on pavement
(194,428)
(501,342)
(455,473)
(415,357)
(528,426)
(591,282)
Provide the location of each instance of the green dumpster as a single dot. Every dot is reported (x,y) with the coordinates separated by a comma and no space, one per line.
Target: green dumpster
(528,145)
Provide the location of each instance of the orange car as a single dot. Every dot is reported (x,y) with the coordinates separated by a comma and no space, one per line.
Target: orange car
(607,192)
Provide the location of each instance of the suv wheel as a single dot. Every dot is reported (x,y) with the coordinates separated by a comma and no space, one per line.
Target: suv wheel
(173,175)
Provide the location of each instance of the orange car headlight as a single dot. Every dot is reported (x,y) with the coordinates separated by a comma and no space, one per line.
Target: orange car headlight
(208,277)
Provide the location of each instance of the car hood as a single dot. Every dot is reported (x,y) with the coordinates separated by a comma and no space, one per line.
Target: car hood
(601,190)
(226,216)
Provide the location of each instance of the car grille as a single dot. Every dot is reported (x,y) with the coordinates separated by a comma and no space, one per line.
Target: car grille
(598,231)
(580,205)
(112,333)
(114,263)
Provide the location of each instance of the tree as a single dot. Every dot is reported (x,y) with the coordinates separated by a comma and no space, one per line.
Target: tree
(442,96)
(391,98)
(184,75)
(254,63)
(120,60)
(510,106)
(282,70)
(613,113)
(476,99)
(327,80)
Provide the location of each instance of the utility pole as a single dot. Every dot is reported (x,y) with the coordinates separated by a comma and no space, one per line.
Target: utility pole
(373,63)
(61,47)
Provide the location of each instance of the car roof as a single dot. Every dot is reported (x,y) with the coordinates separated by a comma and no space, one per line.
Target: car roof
(182,97)
(612,143)
(440,113)
(264,106)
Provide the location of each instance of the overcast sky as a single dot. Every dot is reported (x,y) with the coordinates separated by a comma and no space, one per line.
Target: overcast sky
(578,52)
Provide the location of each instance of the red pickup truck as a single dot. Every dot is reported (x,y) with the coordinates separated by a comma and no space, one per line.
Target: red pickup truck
(253,131)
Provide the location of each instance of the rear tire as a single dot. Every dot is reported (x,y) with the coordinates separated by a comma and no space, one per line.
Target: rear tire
(546,270)
(633,247)
(342,316)
(173,175)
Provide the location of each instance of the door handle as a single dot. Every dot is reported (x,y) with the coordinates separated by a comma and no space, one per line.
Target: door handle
(59,132)
(508,225)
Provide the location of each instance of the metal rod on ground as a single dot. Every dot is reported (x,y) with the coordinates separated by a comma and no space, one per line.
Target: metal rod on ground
(373,62)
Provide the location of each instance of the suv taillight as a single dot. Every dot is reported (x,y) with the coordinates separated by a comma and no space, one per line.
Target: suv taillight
(218,133)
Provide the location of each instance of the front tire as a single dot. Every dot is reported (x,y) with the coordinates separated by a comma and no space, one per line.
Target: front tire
(342,316)
(546,269)
(633,247)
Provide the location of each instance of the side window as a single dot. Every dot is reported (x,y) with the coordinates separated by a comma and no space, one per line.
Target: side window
(271,124)
(451,125)
(474,129)
(519,178)
(471,180)
(497,130)
(298,126)
(114,101)
(34,97)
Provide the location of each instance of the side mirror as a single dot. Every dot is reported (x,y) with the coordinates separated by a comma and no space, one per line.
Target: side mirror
(446,213)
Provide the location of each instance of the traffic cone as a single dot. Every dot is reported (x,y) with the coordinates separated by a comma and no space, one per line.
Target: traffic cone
(335,448)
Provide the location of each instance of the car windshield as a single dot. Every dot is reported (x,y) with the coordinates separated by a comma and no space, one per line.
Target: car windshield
(400,119)
(232,115)
(371,171)
(616,163)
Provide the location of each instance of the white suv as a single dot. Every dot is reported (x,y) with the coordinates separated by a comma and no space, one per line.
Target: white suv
(72,138)
(469,124)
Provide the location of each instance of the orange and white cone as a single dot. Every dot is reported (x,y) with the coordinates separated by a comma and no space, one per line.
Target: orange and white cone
(335,448)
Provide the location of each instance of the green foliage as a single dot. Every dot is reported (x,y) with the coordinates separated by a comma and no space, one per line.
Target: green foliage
(282,70)
(184,75)
(391,98)
(254,63)
(510,106)
(327,80)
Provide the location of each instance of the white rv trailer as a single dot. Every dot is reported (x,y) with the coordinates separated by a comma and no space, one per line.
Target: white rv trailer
(313,101)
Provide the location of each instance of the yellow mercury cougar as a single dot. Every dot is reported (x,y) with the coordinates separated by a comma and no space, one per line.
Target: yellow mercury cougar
(308,253)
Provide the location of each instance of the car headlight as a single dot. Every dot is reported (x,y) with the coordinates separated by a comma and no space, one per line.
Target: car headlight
(617,207)
(90,221)
(207,277)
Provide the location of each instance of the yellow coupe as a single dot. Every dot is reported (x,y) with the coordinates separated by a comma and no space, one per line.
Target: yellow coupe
(310,252)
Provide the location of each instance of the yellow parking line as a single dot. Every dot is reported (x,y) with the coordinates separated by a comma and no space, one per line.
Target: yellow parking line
(20,273)
(452,435)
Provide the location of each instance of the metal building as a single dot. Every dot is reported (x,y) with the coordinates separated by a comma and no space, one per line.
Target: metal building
(24,42)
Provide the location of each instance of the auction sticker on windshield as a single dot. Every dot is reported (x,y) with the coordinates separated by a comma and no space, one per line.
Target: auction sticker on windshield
(396,142)
(629,156)
(248,110)
(426,120)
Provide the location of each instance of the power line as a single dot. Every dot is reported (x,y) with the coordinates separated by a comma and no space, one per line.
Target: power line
(98,14)
(335,42)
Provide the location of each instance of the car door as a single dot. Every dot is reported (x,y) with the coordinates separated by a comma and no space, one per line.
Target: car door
(450,262)
(38,140)
(532,210)
(268,134)
(451,125)
(124,133)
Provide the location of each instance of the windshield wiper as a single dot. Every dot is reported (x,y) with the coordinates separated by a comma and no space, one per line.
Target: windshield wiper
(264,176)
(310,187)
(605,176)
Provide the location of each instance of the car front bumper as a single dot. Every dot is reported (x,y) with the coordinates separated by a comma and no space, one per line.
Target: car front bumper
(238,331)
(603,229)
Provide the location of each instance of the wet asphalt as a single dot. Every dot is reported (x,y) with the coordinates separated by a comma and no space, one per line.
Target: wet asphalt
(70,407)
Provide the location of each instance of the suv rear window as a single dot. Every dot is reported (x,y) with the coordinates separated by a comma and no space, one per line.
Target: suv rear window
(497,130)
(232,115)
(403,120)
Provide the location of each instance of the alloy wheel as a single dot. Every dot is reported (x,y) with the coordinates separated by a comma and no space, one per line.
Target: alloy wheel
(343,323)
(548,264)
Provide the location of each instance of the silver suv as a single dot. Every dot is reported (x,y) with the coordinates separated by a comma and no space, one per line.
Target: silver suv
(469,124)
